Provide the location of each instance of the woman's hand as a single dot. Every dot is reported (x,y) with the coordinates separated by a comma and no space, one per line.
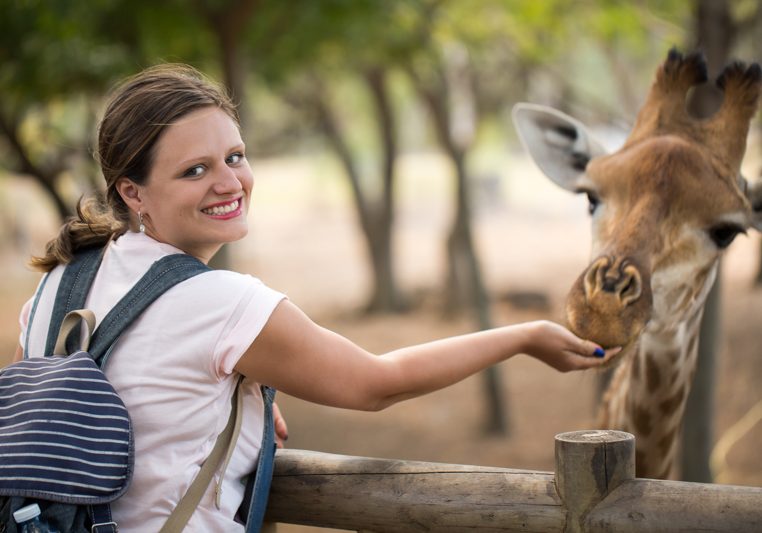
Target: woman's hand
(558,347)
(281,429)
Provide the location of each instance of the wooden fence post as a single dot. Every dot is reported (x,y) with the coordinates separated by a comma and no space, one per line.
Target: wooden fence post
(589,465)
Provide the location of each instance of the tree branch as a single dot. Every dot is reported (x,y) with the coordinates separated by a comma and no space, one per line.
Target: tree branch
(45,177)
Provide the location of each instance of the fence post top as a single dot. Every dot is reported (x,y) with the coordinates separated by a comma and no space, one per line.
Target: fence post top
(595,436)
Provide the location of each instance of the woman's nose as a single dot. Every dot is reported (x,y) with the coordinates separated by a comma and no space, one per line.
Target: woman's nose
(227,182)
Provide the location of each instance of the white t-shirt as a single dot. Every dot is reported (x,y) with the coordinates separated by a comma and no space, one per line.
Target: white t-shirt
(173,368)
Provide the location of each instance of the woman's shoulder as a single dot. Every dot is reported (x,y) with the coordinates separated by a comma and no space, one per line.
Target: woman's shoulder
(227,281)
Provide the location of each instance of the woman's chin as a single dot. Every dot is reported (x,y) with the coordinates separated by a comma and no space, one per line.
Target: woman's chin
(234,233)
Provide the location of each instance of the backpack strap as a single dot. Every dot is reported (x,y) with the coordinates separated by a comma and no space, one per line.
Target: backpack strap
(75,283)
(225,443)
(255,497)
(33,312)
(101,520)
(72,320)
(163,275)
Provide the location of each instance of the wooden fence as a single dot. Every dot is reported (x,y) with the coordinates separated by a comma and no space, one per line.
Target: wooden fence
(594,489)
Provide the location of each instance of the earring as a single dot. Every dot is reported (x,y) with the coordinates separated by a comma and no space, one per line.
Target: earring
(141,227)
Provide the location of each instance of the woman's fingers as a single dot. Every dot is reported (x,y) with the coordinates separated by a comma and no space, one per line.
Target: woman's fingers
(281,428)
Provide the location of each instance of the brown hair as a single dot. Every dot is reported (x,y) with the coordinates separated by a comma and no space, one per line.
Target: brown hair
(138,112)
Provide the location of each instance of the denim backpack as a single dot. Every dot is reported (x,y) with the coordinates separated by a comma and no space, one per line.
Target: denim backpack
(65,435)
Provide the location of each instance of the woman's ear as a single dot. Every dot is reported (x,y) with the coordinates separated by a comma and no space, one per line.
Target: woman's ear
(130,193)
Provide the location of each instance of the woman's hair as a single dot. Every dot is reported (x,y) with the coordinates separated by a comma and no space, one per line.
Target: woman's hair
(138,112)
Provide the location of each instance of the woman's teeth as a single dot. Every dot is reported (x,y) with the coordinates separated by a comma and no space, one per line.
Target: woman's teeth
(221,209)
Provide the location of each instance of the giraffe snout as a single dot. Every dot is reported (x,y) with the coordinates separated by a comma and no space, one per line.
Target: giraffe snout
(611,301)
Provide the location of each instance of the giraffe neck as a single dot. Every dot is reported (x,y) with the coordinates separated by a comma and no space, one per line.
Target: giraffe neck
(648,393)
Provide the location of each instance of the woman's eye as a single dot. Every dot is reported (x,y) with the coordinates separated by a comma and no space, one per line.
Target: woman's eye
(593,202)
(723,234)
(234,159)
(194,172)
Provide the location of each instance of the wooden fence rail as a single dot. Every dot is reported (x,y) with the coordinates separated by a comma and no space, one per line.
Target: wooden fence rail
(594,489)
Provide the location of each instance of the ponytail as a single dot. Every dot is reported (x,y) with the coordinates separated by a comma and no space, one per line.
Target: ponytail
(93,225)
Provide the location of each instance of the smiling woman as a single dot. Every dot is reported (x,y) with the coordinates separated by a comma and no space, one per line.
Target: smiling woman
(178,182)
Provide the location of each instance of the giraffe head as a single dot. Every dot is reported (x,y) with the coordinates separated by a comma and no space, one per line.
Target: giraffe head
(663,207)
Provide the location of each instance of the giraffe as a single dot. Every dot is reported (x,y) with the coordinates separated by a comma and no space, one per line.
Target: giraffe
(664,207)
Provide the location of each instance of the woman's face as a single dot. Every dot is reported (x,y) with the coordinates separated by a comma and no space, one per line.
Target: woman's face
(197,194)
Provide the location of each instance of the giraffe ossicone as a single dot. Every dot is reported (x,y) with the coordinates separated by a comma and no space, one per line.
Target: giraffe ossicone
(663,207)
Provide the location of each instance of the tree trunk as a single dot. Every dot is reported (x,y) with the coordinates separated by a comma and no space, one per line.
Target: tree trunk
(227,22)
(463,280)
(698,422)
(375,218)
(47,182)
(465,286)
(234,72)
(714,35)
(465,264)
(386,295)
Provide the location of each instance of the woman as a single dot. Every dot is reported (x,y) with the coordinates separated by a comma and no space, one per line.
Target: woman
(177,180)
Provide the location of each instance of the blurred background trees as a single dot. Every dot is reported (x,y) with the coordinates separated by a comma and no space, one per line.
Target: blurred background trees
(465,62)
(363,82)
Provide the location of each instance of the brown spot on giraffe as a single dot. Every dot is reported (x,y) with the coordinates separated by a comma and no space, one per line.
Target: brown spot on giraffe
(642,420)
(653,373)
(667,441)
(669,405)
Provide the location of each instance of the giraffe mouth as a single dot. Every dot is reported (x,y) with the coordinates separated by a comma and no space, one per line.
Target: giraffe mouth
(610,303)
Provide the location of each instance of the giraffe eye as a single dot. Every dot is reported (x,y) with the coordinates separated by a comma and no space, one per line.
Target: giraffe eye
(593,202)
(723,234)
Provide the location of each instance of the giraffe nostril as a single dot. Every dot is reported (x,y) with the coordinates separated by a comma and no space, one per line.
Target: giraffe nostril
(629,284)
(632,288)
(595,276)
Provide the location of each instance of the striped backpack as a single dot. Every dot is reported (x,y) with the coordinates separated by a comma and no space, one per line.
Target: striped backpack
(65,435)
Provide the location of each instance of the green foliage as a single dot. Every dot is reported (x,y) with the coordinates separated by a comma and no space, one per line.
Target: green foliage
(288,36)
(53,48)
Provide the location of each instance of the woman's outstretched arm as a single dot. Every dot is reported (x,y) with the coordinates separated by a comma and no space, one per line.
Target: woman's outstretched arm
(305,360)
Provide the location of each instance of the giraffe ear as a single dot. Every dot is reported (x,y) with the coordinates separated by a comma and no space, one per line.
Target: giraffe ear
(754,193)
(559,144)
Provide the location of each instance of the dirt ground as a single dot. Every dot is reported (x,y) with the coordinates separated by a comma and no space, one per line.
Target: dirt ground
(531,237)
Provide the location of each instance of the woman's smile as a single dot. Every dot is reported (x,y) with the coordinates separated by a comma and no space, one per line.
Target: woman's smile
(224,210)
